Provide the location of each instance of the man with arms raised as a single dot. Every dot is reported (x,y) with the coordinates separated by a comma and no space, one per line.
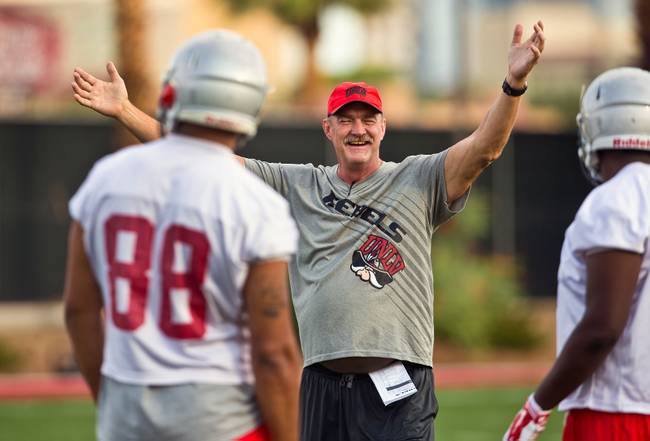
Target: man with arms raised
(184,254)
(362,280)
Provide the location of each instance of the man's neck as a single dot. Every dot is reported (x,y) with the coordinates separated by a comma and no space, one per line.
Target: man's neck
(351,175)
(222,137)
(612,161)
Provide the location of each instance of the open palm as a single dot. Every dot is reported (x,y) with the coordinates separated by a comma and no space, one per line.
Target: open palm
(523,56)
(106,97)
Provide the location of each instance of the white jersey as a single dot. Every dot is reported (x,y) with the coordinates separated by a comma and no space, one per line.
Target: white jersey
(615,215)
(169,229)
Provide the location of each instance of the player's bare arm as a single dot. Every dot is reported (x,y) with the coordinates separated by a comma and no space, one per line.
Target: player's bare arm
(611,280)
(83,306)
(470,156)
(612,276)
(275,355)
(110,98)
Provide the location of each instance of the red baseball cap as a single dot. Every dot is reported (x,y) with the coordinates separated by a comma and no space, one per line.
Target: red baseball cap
(346,93)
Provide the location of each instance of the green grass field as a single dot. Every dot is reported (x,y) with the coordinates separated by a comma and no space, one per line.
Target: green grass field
(484,414)
(465,415)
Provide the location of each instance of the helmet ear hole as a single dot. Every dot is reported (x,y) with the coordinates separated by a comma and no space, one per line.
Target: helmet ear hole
(579,119)
(167,97)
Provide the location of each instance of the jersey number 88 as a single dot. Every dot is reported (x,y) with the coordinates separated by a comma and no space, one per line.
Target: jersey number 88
(128,275)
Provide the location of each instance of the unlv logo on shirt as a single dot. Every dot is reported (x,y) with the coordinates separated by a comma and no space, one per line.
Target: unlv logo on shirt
(377,261)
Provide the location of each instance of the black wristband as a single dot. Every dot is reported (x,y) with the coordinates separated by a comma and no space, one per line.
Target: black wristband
(511,91)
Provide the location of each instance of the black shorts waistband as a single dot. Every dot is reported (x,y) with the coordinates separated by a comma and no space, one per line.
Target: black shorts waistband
(320,369)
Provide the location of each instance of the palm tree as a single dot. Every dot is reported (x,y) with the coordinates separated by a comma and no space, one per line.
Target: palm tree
(133,54)
(643,23)
(303,15)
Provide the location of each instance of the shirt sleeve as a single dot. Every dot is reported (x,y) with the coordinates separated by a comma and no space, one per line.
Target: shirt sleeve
(75,206)
(278,176)
(272,236)
(614,216)
(275,241)
(78,207)
(269,172)
(431,177)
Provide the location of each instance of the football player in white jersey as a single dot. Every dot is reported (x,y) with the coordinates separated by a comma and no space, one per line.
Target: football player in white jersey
(176,297)
(603,306)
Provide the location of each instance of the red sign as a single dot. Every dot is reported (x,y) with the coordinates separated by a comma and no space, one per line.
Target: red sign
(29,48)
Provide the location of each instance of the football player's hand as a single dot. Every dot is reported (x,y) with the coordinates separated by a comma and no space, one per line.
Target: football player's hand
(524,55)
(106,97)
(528,423)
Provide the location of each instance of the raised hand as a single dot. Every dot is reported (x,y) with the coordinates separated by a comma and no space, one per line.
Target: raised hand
(529,422)
(106,97)
(523,56)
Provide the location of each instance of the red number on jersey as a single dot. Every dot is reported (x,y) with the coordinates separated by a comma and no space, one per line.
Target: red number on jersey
(181,285)
(129,244)
(129,260)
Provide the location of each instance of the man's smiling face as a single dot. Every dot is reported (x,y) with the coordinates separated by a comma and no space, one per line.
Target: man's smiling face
(356,131)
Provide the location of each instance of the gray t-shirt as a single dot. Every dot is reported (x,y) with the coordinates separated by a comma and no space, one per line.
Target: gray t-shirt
(362,281)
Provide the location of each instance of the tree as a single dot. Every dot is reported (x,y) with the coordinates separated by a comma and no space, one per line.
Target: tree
(303,15)
(643,23)
(131,25)
(480,304)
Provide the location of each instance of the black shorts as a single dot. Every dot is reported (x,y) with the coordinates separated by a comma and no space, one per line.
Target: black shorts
(340,407)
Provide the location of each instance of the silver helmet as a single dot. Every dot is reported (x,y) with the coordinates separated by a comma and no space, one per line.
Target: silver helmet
(217,79)
(614,115)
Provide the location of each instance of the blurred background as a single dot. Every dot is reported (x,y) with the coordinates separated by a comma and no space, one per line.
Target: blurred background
(438,64)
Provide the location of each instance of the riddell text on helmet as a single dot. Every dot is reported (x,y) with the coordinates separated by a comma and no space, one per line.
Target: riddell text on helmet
(637,143)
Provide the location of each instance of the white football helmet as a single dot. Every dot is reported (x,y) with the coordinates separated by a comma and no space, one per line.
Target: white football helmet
(217,79)
(614,115)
